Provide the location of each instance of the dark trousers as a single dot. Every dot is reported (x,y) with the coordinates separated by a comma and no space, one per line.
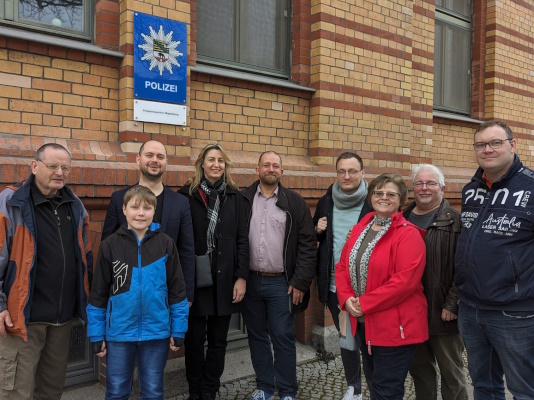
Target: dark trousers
(265,310)
(447,351)
(350,359)
(385,368)
(203,371)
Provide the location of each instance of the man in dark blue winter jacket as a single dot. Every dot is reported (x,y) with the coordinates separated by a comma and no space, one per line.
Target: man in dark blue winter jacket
(495,267)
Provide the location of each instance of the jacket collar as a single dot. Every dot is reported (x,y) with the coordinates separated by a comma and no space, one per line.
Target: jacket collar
(515,167)
(23,191)
(444,204)
(397,220)
(61,197)
(281,202)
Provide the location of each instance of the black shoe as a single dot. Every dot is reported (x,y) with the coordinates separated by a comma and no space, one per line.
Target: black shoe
(208,396)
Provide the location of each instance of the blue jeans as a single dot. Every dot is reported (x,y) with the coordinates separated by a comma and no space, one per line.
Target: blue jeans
(151,360)
(385,368)
(265,310)
(499,343)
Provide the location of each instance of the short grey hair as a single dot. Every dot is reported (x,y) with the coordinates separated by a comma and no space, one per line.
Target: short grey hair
(429,167)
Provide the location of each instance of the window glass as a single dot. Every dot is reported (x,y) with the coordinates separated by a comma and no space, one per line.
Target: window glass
(263,40)
(244,34)
(452,63)
(216,28)
(62,17)
(67,14)
(452,56)
(460,6)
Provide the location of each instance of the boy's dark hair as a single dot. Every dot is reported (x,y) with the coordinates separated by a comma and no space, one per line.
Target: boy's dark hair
(141,194)
(347,155)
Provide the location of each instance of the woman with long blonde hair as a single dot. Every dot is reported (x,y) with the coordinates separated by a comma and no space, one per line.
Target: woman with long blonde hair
(220,233)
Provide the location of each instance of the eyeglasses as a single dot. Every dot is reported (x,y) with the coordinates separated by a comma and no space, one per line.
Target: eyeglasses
(352,173)
(54,167)
(429,184)
(494,144)
(390,195)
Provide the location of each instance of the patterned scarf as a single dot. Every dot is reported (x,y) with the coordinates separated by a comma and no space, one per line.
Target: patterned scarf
(213,192)
(364,262)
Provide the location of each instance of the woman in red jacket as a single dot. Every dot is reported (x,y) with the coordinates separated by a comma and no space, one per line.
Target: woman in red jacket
(378,281)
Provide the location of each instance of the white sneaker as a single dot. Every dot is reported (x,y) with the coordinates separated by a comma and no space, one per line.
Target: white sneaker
(349,394)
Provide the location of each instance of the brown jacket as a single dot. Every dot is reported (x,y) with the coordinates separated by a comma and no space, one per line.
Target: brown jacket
(438,278)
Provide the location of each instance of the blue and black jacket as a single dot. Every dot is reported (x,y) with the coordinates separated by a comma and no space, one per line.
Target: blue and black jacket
(494,262)
(138,290)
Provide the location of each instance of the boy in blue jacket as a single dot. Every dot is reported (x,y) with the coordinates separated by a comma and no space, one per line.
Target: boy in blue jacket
(138,306)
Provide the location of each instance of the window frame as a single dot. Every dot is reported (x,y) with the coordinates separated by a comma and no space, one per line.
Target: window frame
(465,23)
(27,24)
(241,66)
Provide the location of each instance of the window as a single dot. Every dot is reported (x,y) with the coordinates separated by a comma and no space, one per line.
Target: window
(452,56)
(245,34)
(64,17)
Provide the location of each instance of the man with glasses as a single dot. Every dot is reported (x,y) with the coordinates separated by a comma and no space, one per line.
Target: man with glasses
(45,261)
(430,211)
(172,209)
(495,267)
(337,212)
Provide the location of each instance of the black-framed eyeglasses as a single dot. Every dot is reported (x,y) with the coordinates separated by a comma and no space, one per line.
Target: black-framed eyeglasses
(429,184)
(390,195)
(352,173)
(54,167)
(493,144)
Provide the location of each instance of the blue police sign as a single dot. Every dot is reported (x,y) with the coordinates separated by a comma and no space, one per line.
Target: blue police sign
(160,59)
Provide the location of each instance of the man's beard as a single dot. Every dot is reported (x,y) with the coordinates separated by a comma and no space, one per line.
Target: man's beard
(269,180)
(151,177)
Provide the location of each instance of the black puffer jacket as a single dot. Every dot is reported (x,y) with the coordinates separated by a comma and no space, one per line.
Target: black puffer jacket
(325,253)
(438,278)
(300,246)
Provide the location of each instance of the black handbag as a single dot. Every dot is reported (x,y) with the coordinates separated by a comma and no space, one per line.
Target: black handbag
(203,271)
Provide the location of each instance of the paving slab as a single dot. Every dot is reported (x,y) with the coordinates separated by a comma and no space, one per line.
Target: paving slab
(318,379)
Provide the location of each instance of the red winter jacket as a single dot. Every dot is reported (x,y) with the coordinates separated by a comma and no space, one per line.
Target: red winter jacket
(393,304)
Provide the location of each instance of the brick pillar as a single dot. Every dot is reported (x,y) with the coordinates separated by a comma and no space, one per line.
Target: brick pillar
(131,133)
(362,68)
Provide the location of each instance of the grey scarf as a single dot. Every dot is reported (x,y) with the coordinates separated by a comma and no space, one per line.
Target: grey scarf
(344,201)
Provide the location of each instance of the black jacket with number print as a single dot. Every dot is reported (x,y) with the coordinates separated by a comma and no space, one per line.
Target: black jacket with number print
(495,255)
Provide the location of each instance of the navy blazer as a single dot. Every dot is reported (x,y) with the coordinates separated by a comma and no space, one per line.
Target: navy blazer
(175,222)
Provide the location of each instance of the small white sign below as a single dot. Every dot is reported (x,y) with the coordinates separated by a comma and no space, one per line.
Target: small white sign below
(161,113)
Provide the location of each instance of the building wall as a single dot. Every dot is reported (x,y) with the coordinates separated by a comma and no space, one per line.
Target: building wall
(369,62)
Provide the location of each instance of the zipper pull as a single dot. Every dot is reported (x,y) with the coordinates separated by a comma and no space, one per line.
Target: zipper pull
(369,347)
(57,216)
(516,288)
(402,331)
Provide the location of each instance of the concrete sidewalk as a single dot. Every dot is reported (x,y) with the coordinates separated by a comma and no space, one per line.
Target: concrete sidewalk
(318,379)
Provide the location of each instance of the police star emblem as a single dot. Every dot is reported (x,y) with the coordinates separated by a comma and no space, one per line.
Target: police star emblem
(160,50)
